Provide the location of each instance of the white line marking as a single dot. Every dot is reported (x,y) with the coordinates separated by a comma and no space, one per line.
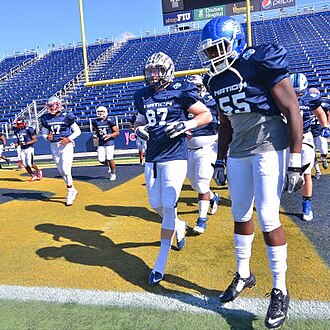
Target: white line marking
(181,302)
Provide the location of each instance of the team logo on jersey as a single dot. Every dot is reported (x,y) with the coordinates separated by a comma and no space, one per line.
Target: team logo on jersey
(266,4)
(177,85)
(248,54)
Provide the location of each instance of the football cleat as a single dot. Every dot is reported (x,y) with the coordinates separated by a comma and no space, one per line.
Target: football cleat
(317,175)
(33,178)
(155,278)
(324,163)
(200,226)
(113,177)
(277,310)
(72,193)
(180,232)
(236,287)
(307,211)
(39,175)
(214,204)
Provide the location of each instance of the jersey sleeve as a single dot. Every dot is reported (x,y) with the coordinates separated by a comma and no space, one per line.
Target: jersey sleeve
(138,103)
(315,100)
(189,95)
(31,131)
(271,64)
(71,118)
(43,121)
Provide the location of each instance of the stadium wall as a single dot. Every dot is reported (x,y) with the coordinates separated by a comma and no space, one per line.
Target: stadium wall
(84,143)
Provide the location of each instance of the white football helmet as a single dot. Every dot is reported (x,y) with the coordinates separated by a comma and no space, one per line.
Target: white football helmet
(54,105)
(198,81)
(102,112)
(299,82)
(159,70)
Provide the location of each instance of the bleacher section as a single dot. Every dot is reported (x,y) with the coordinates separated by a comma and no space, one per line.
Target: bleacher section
(11,63)
(306,37)
(43,78)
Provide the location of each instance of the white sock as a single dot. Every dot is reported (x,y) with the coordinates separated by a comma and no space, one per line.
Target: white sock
(165,247)
(203,207)
(277,256)
(211,195)
(243,247)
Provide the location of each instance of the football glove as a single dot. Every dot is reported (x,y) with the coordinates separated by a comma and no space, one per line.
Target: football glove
(325,132)
(219,174)
(294,178)
(140,144)
(177,128)
(142,132)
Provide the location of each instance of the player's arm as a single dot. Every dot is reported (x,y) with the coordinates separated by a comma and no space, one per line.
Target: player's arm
(115,131)
(287,102)
(75,132)
(202,116)
(2,137)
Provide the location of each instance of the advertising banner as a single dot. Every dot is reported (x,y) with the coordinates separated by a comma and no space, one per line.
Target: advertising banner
(208,13)
(276,4)
(178,18)
(240,7)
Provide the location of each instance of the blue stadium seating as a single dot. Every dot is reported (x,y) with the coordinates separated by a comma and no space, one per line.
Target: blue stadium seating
(306,37)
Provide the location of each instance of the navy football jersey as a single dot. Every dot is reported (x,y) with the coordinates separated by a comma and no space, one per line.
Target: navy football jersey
(59,125)
(308,102)
(212,127)
(24,135)
(161,108)
(246,86)
(102,128)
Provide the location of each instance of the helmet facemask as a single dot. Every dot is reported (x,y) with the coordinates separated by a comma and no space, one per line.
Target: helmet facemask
(218,55)
(54,105)
(101,112)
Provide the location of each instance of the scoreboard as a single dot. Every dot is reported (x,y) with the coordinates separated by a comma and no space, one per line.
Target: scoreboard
(180,5)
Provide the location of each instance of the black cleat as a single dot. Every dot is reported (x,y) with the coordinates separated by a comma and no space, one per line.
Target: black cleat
(277,310)
(236,287)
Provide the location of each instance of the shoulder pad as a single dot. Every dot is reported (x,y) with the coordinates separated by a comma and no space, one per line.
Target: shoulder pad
(270,55)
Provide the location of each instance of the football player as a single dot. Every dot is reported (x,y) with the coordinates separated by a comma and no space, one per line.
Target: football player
(163,106)
(105,131)
(202,146)
(60,129)
(26,138)
(310,104)
(320,142)
(3,143)
(253,91)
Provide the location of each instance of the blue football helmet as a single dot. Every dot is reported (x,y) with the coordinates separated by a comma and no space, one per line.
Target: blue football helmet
(299,82)
(222,42)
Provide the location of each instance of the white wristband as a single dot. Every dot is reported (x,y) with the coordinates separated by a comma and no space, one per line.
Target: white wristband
(295,160)
(190,124)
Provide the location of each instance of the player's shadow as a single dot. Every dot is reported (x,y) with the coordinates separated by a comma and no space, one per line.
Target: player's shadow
(117,211)
(11,179)
(94,249)
(28,195)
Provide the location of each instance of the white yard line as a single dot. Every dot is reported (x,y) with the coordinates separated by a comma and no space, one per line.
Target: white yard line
(181,302)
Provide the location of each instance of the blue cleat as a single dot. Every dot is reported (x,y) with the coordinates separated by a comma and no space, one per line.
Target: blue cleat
(155,278)
(214,203)
(200,226)
(307,211)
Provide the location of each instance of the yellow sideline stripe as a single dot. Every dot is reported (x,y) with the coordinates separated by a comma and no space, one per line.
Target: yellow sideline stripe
(109,240)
